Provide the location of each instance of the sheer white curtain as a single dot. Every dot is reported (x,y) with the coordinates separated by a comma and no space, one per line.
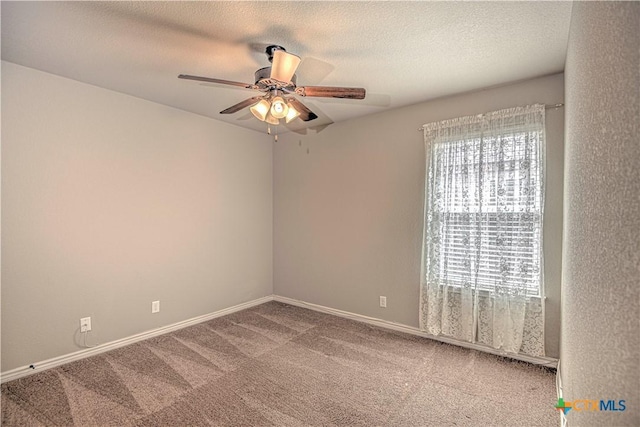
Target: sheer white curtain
(482,275)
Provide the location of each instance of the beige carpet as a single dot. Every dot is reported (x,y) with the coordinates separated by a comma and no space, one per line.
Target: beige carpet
(279,365)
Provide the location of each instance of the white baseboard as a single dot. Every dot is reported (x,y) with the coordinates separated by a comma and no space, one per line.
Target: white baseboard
(546,361)
(81,354)
(23,371)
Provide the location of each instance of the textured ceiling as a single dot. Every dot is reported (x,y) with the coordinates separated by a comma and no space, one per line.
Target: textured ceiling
(400,52)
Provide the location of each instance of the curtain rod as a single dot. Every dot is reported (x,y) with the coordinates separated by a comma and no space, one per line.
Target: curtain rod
(546,107)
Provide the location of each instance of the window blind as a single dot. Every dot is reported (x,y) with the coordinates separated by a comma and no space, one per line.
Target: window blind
(489,212)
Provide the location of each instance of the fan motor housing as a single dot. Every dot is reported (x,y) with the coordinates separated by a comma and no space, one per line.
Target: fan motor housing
(264,80)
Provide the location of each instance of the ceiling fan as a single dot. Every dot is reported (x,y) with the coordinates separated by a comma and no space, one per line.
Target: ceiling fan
(278,82)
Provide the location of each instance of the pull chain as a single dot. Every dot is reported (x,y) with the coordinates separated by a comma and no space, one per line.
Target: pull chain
(275,135)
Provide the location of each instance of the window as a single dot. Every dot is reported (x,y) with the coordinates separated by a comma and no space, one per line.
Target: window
(482,278)
(490,188)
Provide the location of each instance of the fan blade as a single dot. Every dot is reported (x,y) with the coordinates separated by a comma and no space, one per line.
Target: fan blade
(284,66)
(223,82)
(240,105)
(306,115)
(332,92)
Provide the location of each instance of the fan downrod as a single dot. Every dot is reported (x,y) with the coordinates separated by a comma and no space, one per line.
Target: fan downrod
(270,50)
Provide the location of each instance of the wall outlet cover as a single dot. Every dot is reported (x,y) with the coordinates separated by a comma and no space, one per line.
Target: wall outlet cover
(155,306)
(85,324)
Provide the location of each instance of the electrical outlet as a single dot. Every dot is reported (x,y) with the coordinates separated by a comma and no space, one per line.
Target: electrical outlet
(85,324)
(383,301)
(155,306)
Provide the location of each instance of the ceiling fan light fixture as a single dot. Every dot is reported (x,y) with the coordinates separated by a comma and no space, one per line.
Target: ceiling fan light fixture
(292,114)
(278,85)
(271,120)
(279,107)
(284,66)
(261,109)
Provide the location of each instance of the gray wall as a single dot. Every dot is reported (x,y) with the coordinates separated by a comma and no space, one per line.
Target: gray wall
(348,216)
(110,202)
(601,272)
